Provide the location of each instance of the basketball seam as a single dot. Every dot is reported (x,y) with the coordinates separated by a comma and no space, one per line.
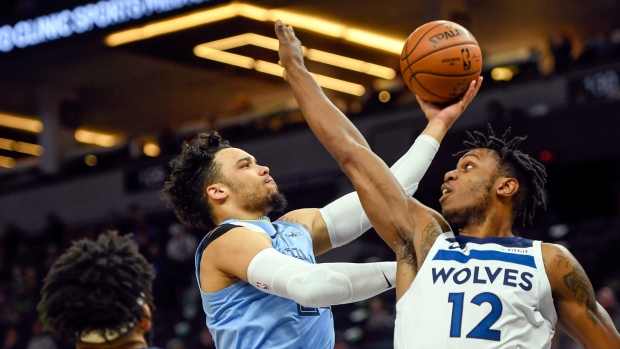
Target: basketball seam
(420,39)
(428,54)
(450,75)
(424,87)
(416,45)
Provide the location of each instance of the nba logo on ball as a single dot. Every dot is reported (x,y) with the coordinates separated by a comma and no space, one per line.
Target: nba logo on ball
(439,60)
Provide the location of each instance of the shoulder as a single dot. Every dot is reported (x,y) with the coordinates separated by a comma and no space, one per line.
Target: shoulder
(565,274)
(227,238)
(306,218)
(429,224)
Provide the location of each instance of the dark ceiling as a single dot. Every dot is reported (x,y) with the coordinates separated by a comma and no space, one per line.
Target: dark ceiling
(136,88)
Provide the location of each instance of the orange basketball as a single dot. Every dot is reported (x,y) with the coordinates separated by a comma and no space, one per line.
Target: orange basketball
(439,60)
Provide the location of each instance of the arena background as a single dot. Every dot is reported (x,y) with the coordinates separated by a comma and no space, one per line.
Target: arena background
(95,96)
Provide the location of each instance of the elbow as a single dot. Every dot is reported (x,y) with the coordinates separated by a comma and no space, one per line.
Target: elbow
(320,287)
(349,153)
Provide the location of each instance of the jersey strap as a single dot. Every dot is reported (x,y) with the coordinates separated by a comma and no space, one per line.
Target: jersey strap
(216,233)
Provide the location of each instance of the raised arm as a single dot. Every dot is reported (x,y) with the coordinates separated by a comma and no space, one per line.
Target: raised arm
(344,219)
(375,184)
(579,313)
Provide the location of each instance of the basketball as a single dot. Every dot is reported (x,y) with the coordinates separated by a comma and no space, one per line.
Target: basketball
(439,60)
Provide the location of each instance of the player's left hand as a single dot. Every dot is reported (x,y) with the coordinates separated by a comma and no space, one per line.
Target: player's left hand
(290,50)
(449,114)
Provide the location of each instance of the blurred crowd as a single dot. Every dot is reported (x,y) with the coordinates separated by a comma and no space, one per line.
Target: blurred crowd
(26,256)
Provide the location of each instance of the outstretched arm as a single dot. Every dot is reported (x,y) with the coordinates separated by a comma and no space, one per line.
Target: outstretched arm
(374,183)
(262,266)
(579,313)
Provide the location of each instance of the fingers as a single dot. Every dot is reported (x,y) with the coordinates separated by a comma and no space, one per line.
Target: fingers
(472,91)
(284,32)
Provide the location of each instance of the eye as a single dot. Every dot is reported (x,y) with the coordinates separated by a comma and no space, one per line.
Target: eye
(469,166)
(247,164)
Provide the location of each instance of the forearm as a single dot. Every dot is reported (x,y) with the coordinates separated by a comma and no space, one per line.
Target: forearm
(334,130)
(318,285)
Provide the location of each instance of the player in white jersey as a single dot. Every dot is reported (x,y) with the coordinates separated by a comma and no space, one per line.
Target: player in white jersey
(484,288)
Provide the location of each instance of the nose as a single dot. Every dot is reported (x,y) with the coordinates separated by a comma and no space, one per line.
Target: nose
(264,170)
(450,176)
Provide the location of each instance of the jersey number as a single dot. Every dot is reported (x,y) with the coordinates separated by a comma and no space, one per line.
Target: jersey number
(483,329)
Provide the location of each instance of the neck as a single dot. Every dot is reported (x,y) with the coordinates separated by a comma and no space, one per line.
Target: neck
(126,342)
(225,214)
(492,226)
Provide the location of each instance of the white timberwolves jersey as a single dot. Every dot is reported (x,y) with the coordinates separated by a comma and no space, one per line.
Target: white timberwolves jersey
(476,294)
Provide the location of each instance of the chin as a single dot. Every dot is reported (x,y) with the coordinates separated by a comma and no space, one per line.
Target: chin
(453,216)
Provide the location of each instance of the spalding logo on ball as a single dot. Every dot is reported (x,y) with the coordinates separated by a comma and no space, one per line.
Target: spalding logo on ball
(439,60)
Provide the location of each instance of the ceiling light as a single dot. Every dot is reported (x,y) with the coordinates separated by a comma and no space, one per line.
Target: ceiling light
(91,160)
(224,57)
(384,96)
(310,23)
(502,73)
(374,40)
(350,63)
(151,149)
(97,138)
(339,85)
(22,147)
(21,123)
(171,25)
(269,68)
(7,162)
(297,20)
(209,50)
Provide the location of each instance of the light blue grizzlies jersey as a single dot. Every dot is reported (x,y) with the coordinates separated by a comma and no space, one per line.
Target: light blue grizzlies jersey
(475,293)
(243,317)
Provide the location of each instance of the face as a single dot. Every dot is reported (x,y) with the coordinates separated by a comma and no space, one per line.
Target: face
(467,189)
(248,182)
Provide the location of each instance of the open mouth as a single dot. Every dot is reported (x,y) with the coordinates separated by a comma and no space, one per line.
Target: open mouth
(445,190)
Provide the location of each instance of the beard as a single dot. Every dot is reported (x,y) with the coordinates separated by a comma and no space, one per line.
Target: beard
(253,202)
(276,202)
(473,214)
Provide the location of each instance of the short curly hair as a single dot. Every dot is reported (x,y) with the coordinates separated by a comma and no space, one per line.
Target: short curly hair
(97,286)
(192,171)
(530,173)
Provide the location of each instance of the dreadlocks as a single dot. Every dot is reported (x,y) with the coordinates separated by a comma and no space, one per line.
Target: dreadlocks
(97,286)
(530,173)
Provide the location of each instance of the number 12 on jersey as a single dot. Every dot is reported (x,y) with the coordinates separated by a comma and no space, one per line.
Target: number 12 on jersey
(483,329)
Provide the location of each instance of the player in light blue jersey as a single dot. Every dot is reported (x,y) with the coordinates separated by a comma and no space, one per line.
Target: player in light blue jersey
(99,293)
(259,281)
(260,284)
(482,288)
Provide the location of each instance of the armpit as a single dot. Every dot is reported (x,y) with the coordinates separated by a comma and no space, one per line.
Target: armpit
(405,251)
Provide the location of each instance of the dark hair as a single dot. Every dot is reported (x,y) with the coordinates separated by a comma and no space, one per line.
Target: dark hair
(192,171)
(530,173)
(97,286)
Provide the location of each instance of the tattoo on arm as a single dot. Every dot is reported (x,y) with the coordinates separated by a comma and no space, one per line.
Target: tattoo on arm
(577,281)
(290,220)
(430,234)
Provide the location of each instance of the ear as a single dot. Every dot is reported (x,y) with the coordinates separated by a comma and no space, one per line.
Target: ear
(507,187)
(145,324)
(216,192)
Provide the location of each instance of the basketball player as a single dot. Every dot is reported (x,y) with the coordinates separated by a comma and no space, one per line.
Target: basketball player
(259,281)
(482,288)
(99,293)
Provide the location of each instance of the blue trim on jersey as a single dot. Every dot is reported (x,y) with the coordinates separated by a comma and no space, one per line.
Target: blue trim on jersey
(506,242)
(458,256)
